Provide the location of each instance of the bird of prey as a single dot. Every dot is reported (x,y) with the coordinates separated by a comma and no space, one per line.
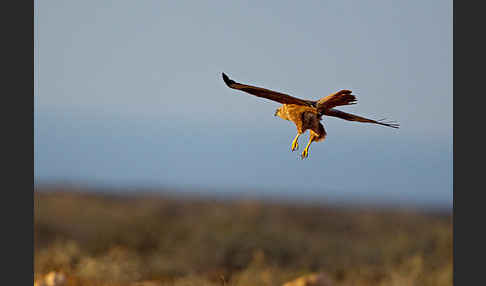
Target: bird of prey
(307,114)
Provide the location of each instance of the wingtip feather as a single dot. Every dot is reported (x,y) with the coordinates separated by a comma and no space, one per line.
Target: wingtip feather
(392,124)
(227,80)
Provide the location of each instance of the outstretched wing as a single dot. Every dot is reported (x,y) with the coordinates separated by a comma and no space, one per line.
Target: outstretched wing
(342,97)
(352,117)
(266,93)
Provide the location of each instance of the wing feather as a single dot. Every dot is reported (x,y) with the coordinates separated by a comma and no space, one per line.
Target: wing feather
(352,117)
(266,93)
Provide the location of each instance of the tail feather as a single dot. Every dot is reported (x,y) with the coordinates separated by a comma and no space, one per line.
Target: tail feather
(321,135)
(342,97)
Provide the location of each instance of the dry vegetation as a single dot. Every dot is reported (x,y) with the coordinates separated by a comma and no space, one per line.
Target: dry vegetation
(119,240)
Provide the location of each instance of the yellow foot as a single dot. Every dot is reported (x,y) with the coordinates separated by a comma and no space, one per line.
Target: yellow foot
(295,145)
(304,154)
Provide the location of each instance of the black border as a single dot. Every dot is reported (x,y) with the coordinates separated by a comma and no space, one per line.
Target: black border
(18,142)
(468,207)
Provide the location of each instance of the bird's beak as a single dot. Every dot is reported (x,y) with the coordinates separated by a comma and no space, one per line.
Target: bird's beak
(275,114)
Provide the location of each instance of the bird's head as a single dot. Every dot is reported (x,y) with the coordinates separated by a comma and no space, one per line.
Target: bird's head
(281,112)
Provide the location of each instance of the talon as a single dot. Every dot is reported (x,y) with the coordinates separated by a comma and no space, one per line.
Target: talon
(295,146)
(304,154)
(295,143)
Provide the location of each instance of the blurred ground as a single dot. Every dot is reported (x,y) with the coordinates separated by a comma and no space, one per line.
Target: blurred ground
(100,239)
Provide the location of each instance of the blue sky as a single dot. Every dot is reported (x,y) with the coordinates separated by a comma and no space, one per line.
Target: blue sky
(130,93)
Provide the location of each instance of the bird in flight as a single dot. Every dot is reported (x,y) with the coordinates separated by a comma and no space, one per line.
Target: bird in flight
(307,114)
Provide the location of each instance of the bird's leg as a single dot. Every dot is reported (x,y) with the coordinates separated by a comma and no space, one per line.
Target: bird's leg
(305,153)
(295,143)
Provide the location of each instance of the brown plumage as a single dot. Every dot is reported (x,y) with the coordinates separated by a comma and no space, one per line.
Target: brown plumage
(307,114)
